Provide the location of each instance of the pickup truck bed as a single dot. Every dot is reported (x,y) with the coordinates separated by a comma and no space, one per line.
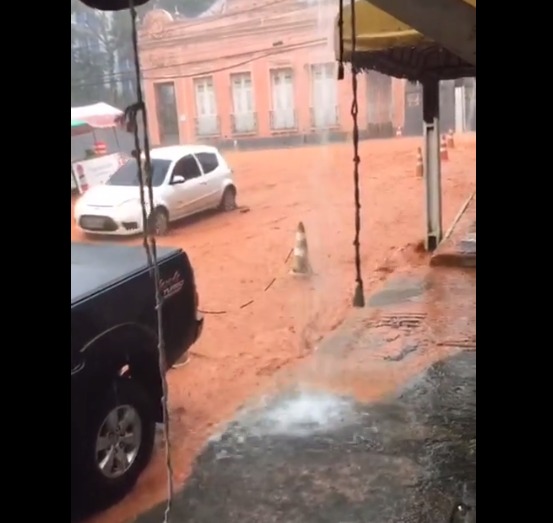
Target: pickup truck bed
(96,267)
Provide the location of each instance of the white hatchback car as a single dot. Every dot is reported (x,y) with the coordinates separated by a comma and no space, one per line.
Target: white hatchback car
(186,179)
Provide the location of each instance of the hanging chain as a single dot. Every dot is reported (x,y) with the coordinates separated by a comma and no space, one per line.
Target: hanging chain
(149,242)
(359,296)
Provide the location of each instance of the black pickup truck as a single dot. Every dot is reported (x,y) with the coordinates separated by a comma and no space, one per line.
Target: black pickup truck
(116,386)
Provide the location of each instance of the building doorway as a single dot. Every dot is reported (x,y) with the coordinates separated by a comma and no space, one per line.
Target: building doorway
(167,116)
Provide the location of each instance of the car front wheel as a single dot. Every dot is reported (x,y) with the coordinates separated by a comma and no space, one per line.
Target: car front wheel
(159,222)
(228,201)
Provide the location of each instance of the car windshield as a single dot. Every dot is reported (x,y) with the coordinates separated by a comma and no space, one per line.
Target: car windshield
(127,174)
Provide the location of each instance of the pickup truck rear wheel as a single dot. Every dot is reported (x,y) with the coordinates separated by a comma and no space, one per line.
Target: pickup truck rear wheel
(118,440)
(159,222)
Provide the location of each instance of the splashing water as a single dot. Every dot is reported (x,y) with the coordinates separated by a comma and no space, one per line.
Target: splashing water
(304,414)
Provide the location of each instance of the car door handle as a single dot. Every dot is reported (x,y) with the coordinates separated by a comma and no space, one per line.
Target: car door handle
(203,183)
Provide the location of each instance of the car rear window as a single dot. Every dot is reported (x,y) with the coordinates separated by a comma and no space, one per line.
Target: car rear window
(208,161)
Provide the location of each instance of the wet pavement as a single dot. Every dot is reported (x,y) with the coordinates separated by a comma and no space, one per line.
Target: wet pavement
(378,426)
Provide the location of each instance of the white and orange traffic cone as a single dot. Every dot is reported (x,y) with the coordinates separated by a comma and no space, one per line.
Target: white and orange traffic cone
(419,169)
(301,265)
(444,156)
(399,132)
(450,139)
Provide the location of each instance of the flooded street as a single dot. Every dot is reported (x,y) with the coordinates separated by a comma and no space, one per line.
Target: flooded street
(377,426)
(243,352)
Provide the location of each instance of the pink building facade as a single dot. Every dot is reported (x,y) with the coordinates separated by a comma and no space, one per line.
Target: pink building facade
(260,73)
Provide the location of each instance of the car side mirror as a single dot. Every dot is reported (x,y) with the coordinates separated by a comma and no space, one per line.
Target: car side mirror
(178,179)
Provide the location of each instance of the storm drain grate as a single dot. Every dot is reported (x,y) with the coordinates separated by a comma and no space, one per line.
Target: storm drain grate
(411,320)
(468,342)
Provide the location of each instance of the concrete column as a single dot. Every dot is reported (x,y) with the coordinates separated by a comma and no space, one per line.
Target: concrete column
(432,164)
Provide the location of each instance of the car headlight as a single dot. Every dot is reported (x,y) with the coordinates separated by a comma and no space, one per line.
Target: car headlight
(130,207)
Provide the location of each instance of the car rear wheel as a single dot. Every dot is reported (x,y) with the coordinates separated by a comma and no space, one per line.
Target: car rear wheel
(117,440)
(228,201)
(159,222)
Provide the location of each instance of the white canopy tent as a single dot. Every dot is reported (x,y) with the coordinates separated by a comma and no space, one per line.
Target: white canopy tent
(99,115)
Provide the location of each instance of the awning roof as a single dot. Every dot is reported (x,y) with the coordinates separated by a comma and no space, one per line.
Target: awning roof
(77,123)
(100,115)
(387,45)
(79,127)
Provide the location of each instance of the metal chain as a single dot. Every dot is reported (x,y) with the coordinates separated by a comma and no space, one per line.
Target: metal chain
(359,296)
(150,246)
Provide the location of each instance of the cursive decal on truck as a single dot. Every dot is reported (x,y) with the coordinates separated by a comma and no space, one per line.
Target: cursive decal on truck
(171,285)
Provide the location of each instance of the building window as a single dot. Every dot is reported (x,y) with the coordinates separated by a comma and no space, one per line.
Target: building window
(324,96)
(166,108)
(207,120)
(283,114)
(243,117)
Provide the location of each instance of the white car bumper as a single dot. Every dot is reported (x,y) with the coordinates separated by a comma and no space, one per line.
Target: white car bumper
(107,221)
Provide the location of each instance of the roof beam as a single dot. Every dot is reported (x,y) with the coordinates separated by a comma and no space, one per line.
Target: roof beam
(450,23)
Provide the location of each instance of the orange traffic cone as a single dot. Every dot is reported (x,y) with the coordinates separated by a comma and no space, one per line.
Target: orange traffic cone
(419,169)
(301,265)
(444,156)
(450,139)
(399,132)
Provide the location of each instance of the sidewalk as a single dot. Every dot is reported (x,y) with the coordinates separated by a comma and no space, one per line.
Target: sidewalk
(377,426)
(459,249)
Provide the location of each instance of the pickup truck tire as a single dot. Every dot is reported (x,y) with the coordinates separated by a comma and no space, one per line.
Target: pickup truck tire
(159,222)
(228,201)
(117,440)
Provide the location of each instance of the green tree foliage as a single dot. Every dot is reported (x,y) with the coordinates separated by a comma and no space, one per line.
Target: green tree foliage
(189,8)
(87,66)
(101,46)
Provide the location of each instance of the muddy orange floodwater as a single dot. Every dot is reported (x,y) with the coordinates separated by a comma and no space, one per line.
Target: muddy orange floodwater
(236,255)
